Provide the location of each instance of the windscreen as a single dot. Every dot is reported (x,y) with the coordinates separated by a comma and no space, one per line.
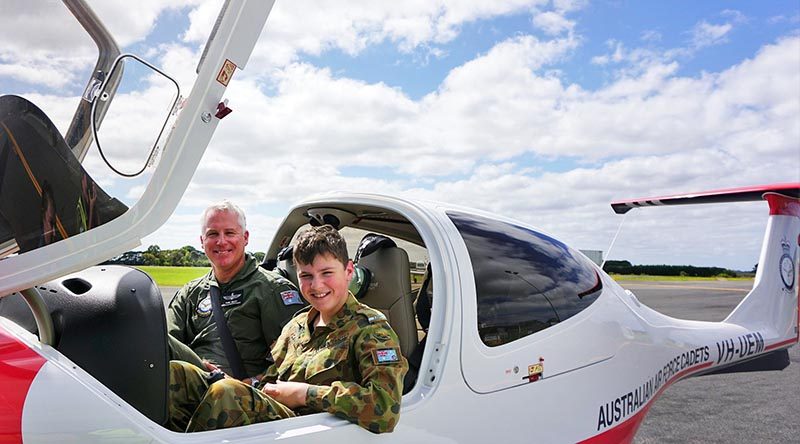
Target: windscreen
(45,194)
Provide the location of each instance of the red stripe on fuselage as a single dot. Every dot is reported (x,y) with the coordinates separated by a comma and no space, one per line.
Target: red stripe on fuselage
(780,344)
(18,366)
(624,433)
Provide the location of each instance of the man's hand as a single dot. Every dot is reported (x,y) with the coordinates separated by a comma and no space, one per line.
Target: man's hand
(252,381)
(290,394)
(209,366)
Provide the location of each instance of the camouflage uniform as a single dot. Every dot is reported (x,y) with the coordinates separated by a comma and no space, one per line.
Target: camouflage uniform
(257,304)
(353,364)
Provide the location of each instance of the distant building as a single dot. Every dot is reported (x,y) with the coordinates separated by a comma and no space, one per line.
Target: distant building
(595,255)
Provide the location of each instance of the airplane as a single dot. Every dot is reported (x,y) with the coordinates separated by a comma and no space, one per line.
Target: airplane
(513,335)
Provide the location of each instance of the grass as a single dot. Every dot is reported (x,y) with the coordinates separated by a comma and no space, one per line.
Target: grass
(177,276)
(173,276)
(642,277)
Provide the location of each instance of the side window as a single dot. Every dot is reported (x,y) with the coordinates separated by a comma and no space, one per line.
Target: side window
(525,281)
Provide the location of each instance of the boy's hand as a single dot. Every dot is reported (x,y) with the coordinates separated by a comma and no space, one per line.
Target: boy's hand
(290,394)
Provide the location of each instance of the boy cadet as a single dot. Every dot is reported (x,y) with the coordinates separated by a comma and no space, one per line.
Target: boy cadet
(338,356)
(256,303)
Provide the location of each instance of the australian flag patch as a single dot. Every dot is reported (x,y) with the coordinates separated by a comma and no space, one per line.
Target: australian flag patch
(291,297)
(386,356)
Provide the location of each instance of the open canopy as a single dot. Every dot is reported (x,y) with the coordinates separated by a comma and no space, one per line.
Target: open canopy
(45,194)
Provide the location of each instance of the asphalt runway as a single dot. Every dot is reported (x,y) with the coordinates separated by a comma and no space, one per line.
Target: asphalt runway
(756,407)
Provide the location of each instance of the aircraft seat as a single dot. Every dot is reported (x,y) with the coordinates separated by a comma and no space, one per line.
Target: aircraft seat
(286,266)
(389,287)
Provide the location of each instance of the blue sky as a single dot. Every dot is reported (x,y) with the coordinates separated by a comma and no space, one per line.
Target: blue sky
(541,110)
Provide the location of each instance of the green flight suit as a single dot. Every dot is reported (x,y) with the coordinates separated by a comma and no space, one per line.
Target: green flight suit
(257,304)
(353,364)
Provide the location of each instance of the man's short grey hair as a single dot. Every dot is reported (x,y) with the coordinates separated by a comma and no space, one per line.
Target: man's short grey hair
(225,205)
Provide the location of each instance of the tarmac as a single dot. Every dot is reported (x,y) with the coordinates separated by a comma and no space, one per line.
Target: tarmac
(756,407)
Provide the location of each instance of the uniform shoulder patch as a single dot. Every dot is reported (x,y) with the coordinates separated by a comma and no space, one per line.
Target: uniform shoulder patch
(389,355)
(291,297)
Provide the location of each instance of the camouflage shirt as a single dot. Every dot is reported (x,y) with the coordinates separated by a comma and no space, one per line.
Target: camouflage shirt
(257,304)
(353,364)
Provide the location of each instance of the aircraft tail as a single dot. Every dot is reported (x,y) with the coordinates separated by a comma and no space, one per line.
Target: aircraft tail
(774,302)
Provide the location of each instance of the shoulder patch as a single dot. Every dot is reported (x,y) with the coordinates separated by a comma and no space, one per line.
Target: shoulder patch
(389,355)
(291,297)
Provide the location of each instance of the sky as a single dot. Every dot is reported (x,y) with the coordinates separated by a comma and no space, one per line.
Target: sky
(543,111)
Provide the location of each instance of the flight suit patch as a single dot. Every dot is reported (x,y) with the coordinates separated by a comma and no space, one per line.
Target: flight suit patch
(232,298)
(386,356)
(204,307)
(291,297)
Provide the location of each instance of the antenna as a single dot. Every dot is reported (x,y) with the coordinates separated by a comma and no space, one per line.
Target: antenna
(608,252)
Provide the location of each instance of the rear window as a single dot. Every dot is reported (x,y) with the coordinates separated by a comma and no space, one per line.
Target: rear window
(525,281)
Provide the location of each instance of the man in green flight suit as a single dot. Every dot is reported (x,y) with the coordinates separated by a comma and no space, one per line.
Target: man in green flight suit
(256,303)
(338,356)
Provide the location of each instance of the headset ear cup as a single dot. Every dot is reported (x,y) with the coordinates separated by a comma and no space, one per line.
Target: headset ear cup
(360,282)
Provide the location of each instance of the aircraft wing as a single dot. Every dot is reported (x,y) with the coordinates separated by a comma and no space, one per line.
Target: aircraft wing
(742,194)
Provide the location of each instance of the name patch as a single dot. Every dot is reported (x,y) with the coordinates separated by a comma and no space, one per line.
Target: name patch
(232,298)
(386,356)
(291,297)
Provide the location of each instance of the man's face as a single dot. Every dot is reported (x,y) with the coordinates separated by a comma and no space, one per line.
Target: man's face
(223,242)
(324,284)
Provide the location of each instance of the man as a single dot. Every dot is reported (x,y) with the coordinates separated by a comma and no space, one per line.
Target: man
(256,303)
(338,356)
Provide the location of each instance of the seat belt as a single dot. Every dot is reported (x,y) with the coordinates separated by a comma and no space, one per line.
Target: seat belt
(228,345)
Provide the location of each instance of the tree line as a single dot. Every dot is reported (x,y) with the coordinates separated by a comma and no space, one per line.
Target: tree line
(189,256)
(186,256)
(625,267)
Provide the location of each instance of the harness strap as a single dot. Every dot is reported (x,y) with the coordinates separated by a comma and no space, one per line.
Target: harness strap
(228,345)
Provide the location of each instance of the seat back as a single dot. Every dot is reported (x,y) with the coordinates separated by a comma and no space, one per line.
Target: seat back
(390,286)
(286,266)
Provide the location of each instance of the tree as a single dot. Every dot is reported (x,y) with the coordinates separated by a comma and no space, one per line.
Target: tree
(152,256)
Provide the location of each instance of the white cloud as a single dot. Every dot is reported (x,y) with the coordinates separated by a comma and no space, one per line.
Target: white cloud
(651,35)
(496,107)
(705,34)
(60,51)
(793,19)
(315,27)
(637,60)
(735,16)
(553,23)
